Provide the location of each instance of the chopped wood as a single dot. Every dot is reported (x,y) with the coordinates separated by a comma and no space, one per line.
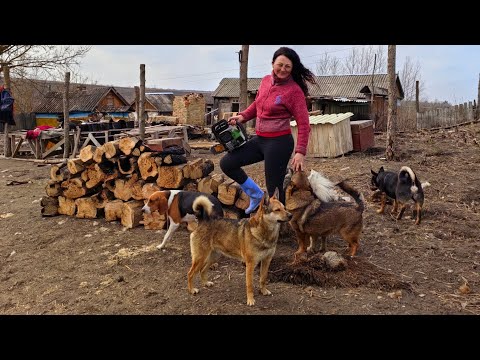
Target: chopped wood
(173,159)
(86,153)
(127,144)
(111,149)
(198,168)
(59,172)
(53,188)
(86,208)
(113,210)
(230,212)
(243,200)
(191,186)
(147,166)
(99,155)
(132,214)
(93,176)
(163,143)
(204,185)
(75,165)
(171,177)
(127,165)
(66,206)
(148,189)
(228,192)
(74,188)
(123,187)
(154,221)
(49,206)
(217,179)
(137,189)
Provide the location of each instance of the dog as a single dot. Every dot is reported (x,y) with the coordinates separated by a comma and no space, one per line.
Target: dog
(177,205)
(400,187)
(314,218)
(252,240)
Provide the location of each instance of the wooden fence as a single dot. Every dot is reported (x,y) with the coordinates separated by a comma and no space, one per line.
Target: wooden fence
(447,117)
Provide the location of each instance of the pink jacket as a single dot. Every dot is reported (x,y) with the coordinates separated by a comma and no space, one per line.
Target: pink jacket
(275,105)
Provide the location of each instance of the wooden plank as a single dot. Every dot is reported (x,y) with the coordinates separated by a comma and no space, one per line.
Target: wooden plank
(17,147)
(53,148)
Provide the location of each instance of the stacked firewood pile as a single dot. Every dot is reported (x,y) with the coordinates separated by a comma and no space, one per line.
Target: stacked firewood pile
(113,180)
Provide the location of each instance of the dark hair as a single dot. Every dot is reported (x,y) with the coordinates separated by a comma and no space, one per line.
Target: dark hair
(300,73)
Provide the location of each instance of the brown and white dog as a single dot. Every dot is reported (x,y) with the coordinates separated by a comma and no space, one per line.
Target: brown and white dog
(177,205)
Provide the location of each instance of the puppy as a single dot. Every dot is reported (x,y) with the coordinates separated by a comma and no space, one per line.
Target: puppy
(177,205)
(314,218)
(400,187)
(252,240)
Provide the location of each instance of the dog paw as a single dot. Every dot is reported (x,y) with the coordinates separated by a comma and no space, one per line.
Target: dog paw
(208,284)
(265,292)
(194,291)
(250,302)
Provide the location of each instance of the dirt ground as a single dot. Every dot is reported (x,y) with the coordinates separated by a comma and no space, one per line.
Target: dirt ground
(65,265)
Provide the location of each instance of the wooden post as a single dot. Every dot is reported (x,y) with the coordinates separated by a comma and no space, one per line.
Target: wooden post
(372,111)
(137,107)
(478,100)
(392,103)
(417,96)
(7,146)
(142,102)
(66,117)
(243,59)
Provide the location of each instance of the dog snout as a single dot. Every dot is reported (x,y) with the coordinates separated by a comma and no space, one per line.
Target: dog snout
(146,209)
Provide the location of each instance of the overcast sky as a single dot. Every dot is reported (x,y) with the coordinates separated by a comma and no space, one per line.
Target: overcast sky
(450,72)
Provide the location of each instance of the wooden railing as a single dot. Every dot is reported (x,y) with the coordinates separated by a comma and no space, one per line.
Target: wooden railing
(447,117)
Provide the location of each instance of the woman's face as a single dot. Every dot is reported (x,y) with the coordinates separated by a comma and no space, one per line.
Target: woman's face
(282,67)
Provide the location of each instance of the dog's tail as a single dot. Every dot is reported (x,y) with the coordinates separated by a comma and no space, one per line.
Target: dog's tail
(203,208)
(406,170)
(359,199)
(322,187)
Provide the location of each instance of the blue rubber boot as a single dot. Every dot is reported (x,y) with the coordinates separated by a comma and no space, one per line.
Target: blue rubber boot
(254,192)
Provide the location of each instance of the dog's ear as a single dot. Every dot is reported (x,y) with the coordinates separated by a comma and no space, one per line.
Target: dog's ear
(162,204)
(381,169)
(373,172)
(276,194)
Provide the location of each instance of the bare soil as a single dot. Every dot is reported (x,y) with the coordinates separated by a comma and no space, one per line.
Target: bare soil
(65,265)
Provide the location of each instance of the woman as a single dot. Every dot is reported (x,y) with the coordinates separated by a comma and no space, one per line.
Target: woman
(280,97)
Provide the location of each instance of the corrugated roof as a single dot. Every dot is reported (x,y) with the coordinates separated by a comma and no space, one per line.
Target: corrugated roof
(162,102)
(329,87)
(328,118)
(230,87)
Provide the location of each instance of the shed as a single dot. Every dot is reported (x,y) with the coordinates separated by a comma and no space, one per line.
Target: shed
(330,135)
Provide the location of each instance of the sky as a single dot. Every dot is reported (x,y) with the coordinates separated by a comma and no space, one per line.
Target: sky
(449,72)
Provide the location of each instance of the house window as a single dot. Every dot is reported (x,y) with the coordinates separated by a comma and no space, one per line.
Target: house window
(235,107)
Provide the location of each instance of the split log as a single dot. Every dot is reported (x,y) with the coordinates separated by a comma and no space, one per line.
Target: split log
(111,149)
(108,166)
(243,200)
(173,159)
(93,176)
(148,189)
(147,166)
(53,188)
(198,168)
(230,212)
(113,210)
(204,185)
(86,208)
(99,155)
(74,188)
(171,177)
(66,206)
(163,143)
(228,192)
(49,206)
(217,179)
(127,144)
(123,187)
(132,213)
(75,165)
(86,153)
(137,189)
(59,172)
(154,221)
(127,164)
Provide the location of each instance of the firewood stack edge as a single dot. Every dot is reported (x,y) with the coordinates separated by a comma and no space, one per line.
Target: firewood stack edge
(114,180)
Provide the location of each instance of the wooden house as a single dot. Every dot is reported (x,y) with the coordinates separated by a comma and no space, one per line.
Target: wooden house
(331,94)
(84,104)
(330,135)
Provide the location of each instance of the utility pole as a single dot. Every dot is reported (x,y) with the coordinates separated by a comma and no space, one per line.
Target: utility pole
(141,112)
(7,146)
(392,103)
(243,59)
(66,117)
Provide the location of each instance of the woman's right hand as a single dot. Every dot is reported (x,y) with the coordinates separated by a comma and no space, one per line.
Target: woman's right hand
(234,119)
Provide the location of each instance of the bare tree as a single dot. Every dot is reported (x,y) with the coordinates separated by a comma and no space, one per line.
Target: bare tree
(361,61)
(410,74)
(49,61)
(392,102)
(329,65)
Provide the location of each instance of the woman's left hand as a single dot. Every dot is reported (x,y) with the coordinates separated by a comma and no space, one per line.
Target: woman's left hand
(298,162)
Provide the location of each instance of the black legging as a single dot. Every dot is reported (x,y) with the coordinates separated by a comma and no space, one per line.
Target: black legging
(276,152)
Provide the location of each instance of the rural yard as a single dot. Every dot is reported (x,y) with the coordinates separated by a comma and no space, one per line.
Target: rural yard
(66,265)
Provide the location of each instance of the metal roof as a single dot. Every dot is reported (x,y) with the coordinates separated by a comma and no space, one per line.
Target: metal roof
(162,102)
(327,87)
(328,118)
